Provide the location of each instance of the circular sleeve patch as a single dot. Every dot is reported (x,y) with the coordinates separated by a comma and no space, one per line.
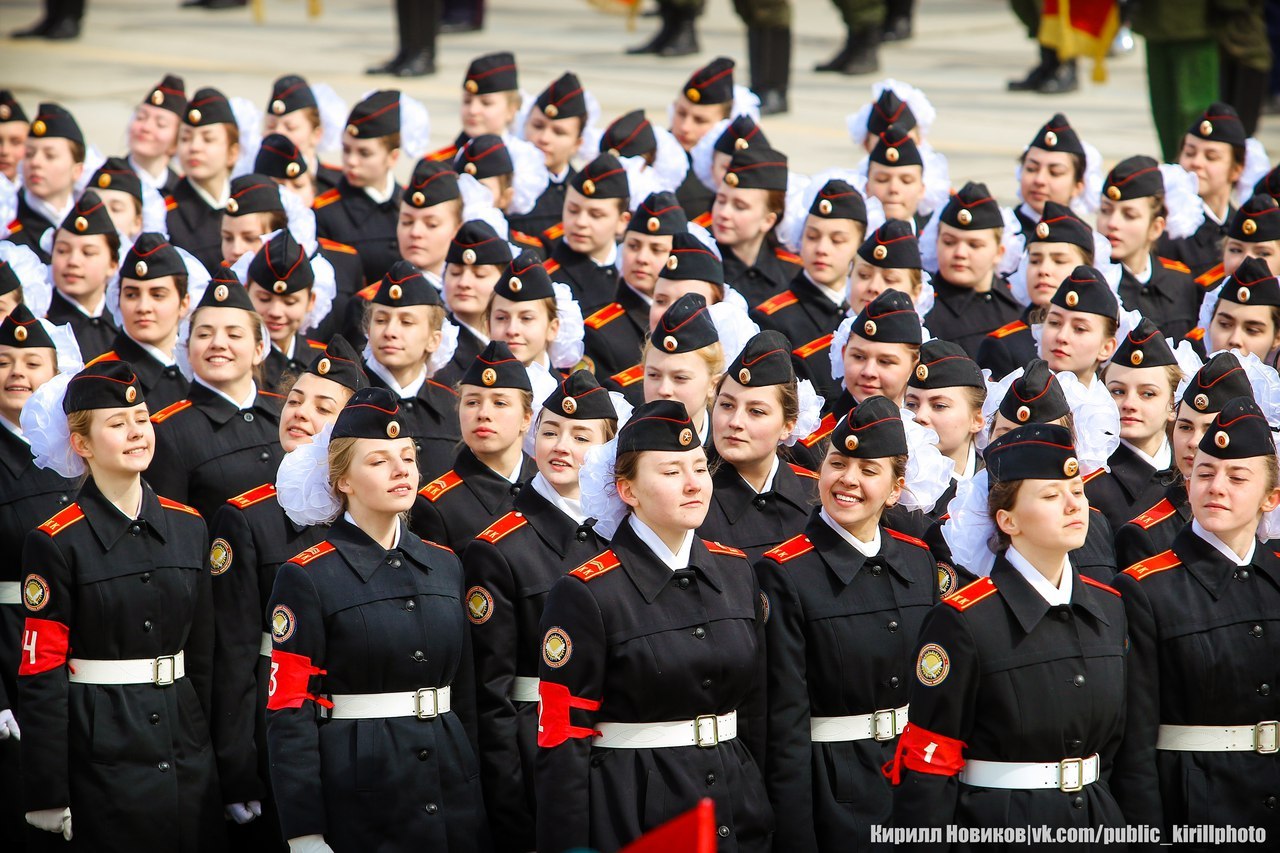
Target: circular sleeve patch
(764,607)
(932,665)
(556,648)
(946,580)
(219,556)
(479,605)
(282,623)
(35,592)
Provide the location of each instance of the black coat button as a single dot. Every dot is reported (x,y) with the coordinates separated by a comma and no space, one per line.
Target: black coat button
(410,605)
(760,503)
(147,626)
(1078,681)
(146,577)
(1078,802)
(1064,615)
(1264,689)
(395,562)
(1256,630)
(894,681)
(163,767)
(1269,802)
(408,404)
(683,583)
(62,499)
(711,778)
(248,417)
(876,570)
(706,684)
(418,655)
(431,808)
(893,627)
(723,832)
(424,754)
(264,456)
(155,719)
(700,633)
(135,529)
(581,535)
(1242,574)
(1073,745)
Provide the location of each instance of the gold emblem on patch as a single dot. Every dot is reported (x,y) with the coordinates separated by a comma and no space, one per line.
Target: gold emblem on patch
(131,395)
(870,328)
(653,224)
(731,179)
(282,623)
(1023,414)
(280,286)
(140,269)
(35,592)
(220,293)
(324,366)
(20,334)
(489,376)
(1050,138)
(932,665)
(1113,192)
(479,605)
(892,155)
(569,405)
(880,253)
(764,608)
(964,217)
(471,86)
(277,107)
(104,180)
(1135,357)
(219,556)
(233,206)
(556,648)
(82,224)
(1249,226)
(395,291)
(824,207)
(744,376)
(686,437)
(1201,401)
(393,429)
(291,170)
(551,110)
(1071,467)
(1221,439)
(1042,230)
(946,580)
(669,343)
(851,443)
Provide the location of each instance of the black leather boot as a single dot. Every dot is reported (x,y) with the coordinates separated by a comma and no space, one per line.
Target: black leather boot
(661,37)
(1062,80)
(837,62)
(420,40)
(684,34)
(770,52)
(403,16)
(1047,67)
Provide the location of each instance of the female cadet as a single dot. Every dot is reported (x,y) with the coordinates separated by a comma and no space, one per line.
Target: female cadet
(153,134)
(539,320)
(86,254)
(1142,378)
(1244,314)
(554,123)
(510,567)
(282,161)
(749,205)
(760,499)
(816,300)
(1019,693)
(114,680)
(1200,732)
(683,358)
(286,292)
(251,538)
(1051,169)
(122,191)
(1080,326)
(844,601)
(651,657)
(1151,531)
(476,259)
(495,410)
(895,177)
(1254,232)
(430,214)
(875,354)
(208,146)
(389,765)
(52,164)
(710,157)
(405,323)
(297,114)
(889,259)
(221,440)
(946,393)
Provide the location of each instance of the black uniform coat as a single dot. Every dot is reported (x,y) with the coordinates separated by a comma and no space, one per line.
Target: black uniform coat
(133,761)
(194,225)
(276,366)
(772,272)
(965,317)
(510,567)
(649,645)
(1130,485)
(251,537)
(615,334)
(755,522)
(1169,298)
(327,177)
(348,215)
(456,506)
(162,386)
(371,620)
(430,417)
(207,450)
(592,285)
(808,318)
(28,227)
(1202,251)
(1204,639)
(95,335)
(841,640)
(547,211)
(1151,531)
(1007,348)
(693,194)
(1021,681)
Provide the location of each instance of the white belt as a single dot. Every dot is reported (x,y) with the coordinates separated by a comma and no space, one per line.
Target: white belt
(1264,738)
(878,725)
(705,731)
(265,646)
(10,592)
(1069,774)
(525,689)
(161,671)
(425,704)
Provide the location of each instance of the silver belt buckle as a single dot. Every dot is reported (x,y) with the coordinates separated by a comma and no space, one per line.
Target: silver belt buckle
(164,670)
(884,724)
(422,709)
(1266,737)
(710,725)
(1078,764)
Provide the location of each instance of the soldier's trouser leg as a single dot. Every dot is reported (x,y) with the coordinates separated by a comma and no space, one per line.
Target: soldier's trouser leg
(1028,12)
(1182,79)
(764,14)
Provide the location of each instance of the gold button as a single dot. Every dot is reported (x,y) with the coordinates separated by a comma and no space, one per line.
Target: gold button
(280,286)
(20,334)
(220,293)
(1206,128)
(686,437)
(104,180)
(157,97)
(1135,357)
(588,187)
(1050,138)
(471,86)
(1113,192)
(393,429)
(731,179)
(653,224)
(1042,230)
(395,291)
(470,168)
(1071,467)
(277,107)
(1249,226)
(551,110)
(672,262)
(824,207)
(468,256)
(851,443)
(194,116)
(1072,299)
(1023,414)
(1221,439)
(892,155)
(1201,401)
(140,268)
(38,128)
(880,252)
(922,372)
(489,376)
(569,405)
(233,206)
(964,217)
(291,170)
(693,94)
(744,376)
(323,366)
(1243,294)
(870,328)
(741,144)
(515,284)
(352,130)
(130,395)
(418,199)
(82,224)
(669,343)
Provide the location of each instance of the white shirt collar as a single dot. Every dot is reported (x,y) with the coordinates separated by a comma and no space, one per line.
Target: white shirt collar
(288,353)
(155,352)
(836,296)
(970,465)
(1055,595)
(246,403)
(559,177)
(216,203)
(611,259)
(14,428)
(96,312)
(410,390)
(1026,210)
(48,211)
(383,194)
(156,182)
(768,481)
(1161,461)
(867,549)
(673,560)
(395,542)
(1210,214)
(1222,548)
(480,335)
(569,507)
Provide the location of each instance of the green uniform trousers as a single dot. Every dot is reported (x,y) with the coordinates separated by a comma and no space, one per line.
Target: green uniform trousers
(1182,79)
(764,14)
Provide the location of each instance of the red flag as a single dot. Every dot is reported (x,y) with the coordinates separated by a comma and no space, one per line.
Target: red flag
(1080,28)
(692,832)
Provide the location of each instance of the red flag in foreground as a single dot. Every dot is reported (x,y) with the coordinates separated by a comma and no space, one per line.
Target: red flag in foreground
(1080,28)
(692,832)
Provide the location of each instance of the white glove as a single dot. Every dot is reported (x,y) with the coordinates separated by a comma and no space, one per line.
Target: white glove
(52,820)
(309,844)
(9,726)
(242,813)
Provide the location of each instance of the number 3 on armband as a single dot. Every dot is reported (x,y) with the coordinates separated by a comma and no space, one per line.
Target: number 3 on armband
(271,688)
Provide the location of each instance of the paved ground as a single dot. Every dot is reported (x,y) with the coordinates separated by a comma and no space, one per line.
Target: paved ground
(961,55)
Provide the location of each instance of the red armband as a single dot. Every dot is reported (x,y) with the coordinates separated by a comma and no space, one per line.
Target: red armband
(925,752)
(44,646)
(288,685)
(554,703)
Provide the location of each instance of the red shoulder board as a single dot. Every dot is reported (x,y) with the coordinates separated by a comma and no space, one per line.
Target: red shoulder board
(1196,334)
(443,154)
(820,345)
(316,344)
(437,487)
(335,246)
(442,387)
(704,220)
(1093,475)
(555,232)
(824,429)
(788,257)
(177,507)
(437,545)
(801,471)
(325,198)
(253,496)
(1155,515)
(1007,329)
(106,356)
(62,520)
(910,540)
(605,315)
(169,411)
(1153,565)
(1176,266)
(15,226)
(774,304)
(721,548)
(500,529)
(1091,582)
(315,552)
(551,266)
(527,239)
(170,203)
(630,376)
(262,393)
(967,596)
(1211,277)
(596,566)
(789,550)
(367,293)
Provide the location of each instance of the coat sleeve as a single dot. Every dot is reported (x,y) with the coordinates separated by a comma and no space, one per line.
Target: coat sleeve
(236,655)
(298,657)
(199,646)
(570,691)
(1133,777)
(167,474)
(426,522)
(42,673)
(788,773)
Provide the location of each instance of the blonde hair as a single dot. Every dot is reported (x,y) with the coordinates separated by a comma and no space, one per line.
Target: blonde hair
(712,355)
